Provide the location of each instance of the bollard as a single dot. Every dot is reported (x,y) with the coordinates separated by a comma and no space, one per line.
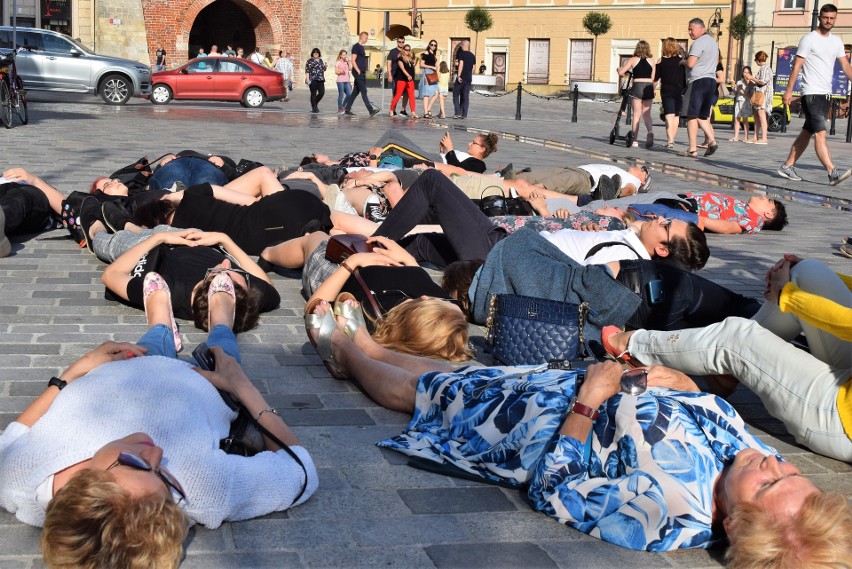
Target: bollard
(833,130)
(518,107)
(576,99)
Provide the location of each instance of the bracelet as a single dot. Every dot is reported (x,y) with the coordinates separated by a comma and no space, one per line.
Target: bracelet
(347,267)
(59,383)
(267,410)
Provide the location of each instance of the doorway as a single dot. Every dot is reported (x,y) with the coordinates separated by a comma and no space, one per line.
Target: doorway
(222,23)
(498,68)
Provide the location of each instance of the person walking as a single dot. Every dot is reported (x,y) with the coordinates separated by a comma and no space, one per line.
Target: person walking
(392,71)
(644,70)
(344,87)
(700,88)
(742,106)
(284,66)
(672,83)
(315,69)
(359,75)
(761,82)
(461,90)
(405,82)
(429,66)
(161,59)
(815,59)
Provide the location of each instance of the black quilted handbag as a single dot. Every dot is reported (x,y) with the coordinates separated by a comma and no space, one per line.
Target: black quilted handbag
(524,330)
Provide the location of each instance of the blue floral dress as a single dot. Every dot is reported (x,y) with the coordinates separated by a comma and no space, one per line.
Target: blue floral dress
(643,481)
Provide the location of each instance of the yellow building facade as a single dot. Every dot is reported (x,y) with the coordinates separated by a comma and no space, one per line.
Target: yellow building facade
(539,43)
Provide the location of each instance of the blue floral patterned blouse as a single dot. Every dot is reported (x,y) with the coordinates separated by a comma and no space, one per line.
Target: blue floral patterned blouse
(647,483)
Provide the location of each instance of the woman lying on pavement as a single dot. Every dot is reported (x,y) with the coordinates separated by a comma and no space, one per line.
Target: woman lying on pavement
(188,260)
(665,469)
(417,316)
(67,463)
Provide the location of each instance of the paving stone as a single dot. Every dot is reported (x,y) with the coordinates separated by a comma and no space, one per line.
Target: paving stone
(385,556)
(20,539)
(455,500)
(409,530)
(508,555)
(243,560)
(265,535)
(588,553)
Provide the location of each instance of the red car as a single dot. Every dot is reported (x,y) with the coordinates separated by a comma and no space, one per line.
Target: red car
(218,79)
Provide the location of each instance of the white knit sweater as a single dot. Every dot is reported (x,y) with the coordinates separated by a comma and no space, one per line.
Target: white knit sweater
(181,411)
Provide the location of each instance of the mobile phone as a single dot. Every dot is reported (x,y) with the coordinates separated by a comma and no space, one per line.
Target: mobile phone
(204,357)
(655,291)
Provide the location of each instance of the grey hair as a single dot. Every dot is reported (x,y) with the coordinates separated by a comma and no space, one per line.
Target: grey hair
(698,21)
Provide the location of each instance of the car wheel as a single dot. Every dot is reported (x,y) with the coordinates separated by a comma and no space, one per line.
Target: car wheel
(161,94)
(116,89)
(776,121)
(253,98)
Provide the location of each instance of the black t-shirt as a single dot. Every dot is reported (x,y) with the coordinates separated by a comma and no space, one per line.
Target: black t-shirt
(471,164)
(409,68)
(360,57)
(393,57)
(392,286)
(469,61)
(161,56)
(672,76)
(183,268)
(428,59)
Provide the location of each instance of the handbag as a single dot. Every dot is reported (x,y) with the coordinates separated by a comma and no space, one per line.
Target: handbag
(522,330)
(758,98)
(341,247)
(432,78)
(500,205)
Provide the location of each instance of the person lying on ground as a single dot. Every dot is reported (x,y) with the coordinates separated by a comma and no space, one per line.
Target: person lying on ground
(28,205)
(67,463)
(473,160)
(583,180)
(720,479)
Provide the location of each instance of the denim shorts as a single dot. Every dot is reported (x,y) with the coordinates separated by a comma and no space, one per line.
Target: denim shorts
(671,104)
(815,108)
(698,98)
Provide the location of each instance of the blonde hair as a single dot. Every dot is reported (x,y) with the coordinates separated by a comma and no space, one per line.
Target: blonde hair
(643,49)
(670,47)
(816,537)
(92,522)
(427,327)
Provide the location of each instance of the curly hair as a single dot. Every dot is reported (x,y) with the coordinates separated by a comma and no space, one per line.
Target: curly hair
(456,282)
(94,523)
(247,311)
(428,327)
(816,537)
(489,144)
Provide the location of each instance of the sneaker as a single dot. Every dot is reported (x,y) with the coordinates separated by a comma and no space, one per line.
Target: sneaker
(374,111)
(836,177)
(115,216)
(5,244)
(846,250)
(350,113)
(403,113)
(790,173)
(608,188)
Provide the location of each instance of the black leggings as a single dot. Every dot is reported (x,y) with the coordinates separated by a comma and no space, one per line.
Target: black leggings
(317,89)
(687,300)
(468,233)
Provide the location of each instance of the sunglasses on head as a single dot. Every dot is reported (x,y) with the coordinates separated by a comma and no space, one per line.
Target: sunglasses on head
(133,460)
(216,270)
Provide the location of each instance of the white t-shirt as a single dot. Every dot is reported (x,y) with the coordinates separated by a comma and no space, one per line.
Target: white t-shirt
(707,52)
(256,58)
(598,170)
(820,52)
(577,244)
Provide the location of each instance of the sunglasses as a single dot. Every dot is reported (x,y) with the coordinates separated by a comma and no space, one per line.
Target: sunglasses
(667,223)
(132,460)
(217,270)
(406,50)
(433,45)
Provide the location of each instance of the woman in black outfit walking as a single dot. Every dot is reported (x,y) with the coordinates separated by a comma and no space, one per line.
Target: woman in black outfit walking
(315,78)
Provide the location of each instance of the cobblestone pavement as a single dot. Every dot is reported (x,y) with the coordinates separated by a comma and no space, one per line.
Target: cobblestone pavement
(371,509)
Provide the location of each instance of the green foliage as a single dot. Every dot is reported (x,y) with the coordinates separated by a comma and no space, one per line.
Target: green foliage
(478,19)
(741,27)
(597,23)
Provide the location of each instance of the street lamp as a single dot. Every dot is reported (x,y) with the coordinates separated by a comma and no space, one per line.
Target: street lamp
(815,16)
(417,24)
(716,23)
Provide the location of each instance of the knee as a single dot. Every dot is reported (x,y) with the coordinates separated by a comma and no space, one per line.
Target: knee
(809,274)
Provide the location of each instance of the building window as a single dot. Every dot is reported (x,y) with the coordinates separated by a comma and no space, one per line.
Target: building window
(581,60)
(794,4)
(538,64)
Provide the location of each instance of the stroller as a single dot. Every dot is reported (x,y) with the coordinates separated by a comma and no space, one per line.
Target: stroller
(626,84)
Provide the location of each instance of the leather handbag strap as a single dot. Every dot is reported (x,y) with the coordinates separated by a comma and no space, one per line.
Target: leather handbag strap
(371,296)
(606,244)
(286,448)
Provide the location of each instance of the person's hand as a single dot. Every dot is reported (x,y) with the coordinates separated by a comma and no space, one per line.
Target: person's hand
(377,150)
(229,376)
(420,166)
(787,97)
(206,238)
(20,175)
(793,259)
(446,143)
(661,376)
(776,278)
(182,237)
(611,211)
(376,258)
(105,353)
(166,159)
(561,213)
(216,161)
(392,249)
(590,226)
(603,380)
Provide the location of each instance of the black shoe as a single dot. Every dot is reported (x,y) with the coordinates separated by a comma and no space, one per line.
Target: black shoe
(349,112)
(265,265)
(507,173)
(374,111)
(90,212)
(404,113)
(608,188)
(115,216)
(315,110)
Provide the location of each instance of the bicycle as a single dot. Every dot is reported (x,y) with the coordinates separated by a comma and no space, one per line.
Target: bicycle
(13,97)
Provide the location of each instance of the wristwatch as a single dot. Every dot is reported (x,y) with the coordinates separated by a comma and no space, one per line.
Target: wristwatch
(580,409)
(59,383)
(374,156)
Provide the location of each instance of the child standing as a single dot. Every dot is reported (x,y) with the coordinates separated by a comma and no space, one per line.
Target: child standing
(443,85)
(742,105)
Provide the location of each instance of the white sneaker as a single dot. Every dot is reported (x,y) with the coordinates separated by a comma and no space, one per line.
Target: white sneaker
(789,172)
(836,177)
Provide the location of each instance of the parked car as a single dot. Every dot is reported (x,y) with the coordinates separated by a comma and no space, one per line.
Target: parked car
(54,62)
(723,112)
(218,79)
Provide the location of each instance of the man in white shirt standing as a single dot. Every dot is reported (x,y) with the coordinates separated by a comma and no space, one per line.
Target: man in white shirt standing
(815,58)
(256,57)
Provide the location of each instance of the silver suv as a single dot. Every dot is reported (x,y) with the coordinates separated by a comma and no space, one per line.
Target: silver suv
(55,62)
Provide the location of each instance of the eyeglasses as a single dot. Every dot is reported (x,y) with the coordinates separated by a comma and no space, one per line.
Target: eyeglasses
(477,143)
(215,270)
(667,223)
(133,460)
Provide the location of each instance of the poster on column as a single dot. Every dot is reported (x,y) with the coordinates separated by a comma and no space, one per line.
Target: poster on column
(784,68)
(56,9)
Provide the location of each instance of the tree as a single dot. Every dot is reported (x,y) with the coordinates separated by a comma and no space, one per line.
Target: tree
(741,27)
(597,24)
(478,19)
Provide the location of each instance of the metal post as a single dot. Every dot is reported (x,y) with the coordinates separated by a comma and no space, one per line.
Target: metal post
(518,106)
(834,105)
(815,16)
(849,120)
(784,118)
(574,106)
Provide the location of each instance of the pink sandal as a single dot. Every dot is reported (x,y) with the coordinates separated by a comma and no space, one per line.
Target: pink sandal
(221,283)
(154,282)
(623,357)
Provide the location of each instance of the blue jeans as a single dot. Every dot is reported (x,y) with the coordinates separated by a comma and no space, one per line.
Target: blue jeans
(344,89)
(189,171)
(160,342)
